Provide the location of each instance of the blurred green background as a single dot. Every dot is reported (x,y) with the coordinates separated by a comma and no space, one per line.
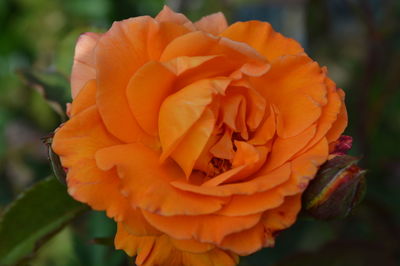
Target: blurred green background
(359,42)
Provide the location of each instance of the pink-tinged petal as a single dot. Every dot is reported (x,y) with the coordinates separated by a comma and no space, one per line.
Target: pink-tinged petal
(214,23)
(84,68)
(139,171)
(168,15)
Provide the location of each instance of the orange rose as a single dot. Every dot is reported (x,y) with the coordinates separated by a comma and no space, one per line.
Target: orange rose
(198,139)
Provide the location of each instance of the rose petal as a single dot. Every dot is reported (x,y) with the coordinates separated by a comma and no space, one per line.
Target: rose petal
(258,184)
(262,37)
(205,228)
(86,182)
(120,52)
(254,239)
(341,122)
(214,23)
(304,168)
(184,108)
(85,98)
(284,149)
(147,182)
(84,68)
(295,86)
(194,141)
(168,15)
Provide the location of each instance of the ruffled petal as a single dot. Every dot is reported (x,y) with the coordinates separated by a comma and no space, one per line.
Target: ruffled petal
(284,149)
(258,184)
(147,183)
(161,250)
(84,68)
(240,56)
(262,37)
(204,228)
(295,86)
(87,183)
(282,217)
(246,242)
(328,116)
(250,204)
(341,122)
(304,167)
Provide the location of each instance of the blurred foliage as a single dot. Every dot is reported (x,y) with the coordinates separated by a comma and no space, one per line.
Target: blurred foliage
(359,41)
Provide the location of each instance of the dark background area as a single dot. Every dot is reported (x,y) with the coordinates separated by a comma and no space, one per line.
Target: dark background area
(359,42)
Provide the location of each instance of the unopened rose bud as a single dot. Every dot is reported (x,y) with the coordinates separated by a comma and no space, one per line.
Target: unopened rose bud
(59,171)
(337,188)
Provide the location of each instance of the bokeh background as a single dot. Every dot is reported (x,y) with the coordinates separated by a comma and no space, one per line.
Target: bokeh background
(359,42)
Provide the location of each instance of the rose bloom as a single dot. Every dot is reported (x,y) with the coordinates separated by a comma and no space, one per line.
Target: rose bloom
(198,139)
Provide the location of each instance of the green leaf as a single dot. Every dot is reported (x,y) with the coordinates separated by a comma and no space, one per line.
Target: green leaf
(32,219)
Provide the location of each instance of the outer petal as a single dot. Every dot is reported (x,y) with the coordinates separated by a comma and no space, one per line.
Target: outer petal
(304,168)
(84,68)
(161,250)
(86,182)
(282,217)
(328,117)
(341,122)
(168,15)
(134,245)
(205,228)
(246,242)
(85,98)
(146,182)
(120,52)
(214,23)
(295,86)
(262,37)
